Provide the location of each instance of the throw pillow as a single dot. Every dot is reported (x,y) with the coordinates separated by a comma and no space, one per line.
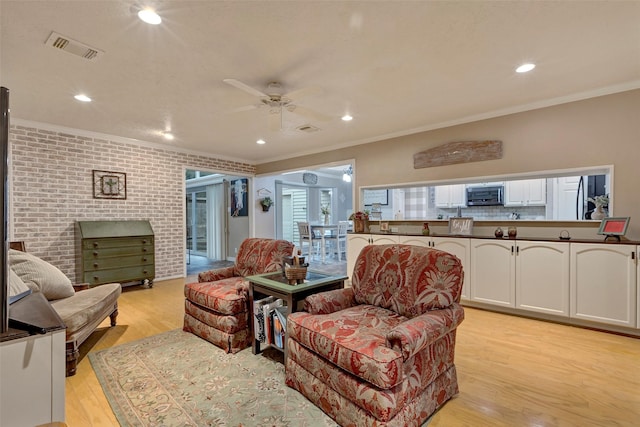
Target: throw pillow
(40,275)
(16,285)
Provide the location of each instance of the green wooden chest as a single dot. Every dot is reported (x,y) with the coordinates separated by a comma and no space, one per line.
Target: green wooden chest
(115,252)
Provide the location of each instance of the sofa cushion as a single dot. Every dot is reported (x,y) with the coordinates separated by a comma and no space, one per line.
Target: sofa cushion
(353,339)
(409,280)
(16,285)
(41,276)
(85,306)
(227,296)
(257,256)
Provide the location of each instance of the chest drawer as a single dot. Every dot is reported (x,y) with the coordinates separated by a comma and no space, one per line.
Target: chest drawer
(117,242)
(119,275)
(115,252)
(117,262)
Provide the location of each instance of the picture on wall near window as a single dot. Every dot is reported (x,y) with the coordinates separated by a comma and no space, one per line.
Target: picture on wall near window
(109,185)
(239,200)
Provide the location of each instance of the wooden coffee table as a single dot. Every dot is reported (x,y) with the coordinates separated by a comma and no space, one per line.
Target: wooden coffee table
(276,285)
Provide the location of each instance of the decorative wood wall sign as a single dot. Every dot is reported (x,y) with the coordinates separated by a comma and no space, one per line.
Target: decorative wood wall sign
(458,152)
(109,185)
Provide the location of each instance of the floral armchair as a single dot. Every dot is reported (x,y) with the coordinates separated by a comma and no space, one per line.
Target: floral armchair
(217,306)
(381,352)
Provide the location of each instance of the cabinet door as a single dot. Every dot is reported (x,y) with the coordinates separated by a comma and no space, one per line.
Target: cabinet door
(450,196)
(492,272)
(537,192)
(458,195)
(461,248)
(355,243)
(514,193)
(32,372)
(526,192)
(416,240)
(542,277)
(442,196)
(603,283)
(382,239)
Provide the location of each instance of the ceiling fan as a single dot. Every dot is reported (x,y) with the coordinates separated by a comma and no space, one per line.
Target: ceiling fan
(276,101)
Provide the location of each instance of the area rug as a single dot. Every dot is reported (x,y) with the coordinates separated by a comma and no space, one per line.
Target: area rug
(178,379)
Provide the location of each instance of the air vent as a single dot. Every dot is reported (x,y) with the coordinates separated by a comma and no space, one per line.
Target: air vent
(74,47)
(308,128)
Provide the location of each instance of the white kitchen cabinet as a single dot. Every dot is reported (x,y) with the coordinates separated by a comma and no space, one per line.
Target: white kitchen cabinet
(356,242)
(542,277)
(450,196)
(528,275)
(526,192)
(32,371)
(603,283)
(492,271)
(459,247)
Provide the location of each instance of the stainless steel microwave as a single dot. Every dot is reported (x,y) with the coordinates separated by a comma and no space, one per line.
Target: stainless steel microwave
(485,196)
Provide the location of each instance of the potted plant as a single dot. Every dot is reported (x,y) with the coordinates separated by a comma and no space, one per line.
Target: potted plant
(360,221)
(325,212)
(266,203)
(600,202)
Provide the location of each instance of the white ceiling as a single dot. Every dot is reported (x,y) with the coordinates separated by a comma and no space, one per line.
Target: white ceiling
(397,67)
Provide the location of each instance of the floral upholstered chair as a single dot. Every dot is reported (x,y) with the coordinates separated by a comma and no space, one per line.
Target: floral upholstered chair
(217,306)
(381,352)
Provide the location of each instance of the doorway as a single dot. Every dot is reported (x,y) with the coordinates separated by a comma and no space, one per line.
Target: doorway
(205,220)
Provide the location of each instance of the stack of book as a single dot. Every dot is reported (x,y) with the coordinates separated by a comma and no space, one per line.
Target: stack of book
(270,321)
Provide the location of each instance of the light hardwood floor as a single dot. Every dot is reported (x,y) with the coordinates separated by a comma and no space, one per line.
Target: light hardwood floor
(512,371)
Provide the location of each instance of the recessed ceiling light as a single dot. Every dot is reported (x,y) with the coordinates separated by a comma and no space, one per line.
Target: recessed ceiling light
(261,141)
(149,16)
(524,68)
(347,118)
(168,136)
(82,97)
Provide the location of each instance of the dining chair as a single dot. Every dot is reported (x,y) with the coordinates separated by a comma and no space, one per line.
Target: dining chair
(339,240)
(306,235)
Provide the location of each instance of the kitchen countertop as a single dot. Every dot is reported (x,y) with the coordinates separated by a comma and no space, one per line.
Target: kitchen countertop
(540,239)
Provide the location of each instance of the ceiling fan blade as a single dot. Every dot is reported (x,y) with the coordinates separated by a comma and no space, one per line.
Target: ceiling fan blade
(306,112)
(245,108)
(238,84)
(275,120)
(303,93)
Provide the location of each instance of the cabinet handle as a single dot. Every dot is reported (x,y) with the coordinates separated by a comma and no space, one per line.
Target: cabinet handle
(144,259)
(95,264)
(633,255)
(517,250)
(512,249)
(144,242)
(144,249)
(95,244)
(95,253)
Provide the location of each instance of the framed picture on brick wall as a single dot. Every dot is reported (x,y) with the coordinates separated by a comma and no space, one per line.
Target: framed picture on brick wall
(109,185)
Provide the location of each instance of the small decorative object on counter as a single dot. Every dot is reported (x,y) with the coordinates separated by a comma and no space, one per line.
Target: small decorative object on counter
(360,221)
(425,229)
(513,232)
(499,233)
(564,235)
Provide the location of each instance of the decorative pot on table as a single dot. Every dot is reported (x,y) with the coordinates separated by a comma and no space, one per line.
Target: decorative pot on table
(598,213)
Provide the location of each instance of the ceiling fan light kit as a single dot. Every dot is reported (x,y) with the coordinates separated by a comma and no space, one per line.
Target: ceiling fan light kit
(276,101)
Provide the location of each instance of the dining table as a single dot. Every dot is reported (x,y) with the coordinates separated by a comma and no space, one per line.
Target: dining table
(322,231)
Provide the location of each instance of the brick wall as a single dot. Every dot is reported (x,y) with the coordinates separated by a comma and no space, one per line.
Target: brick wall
(51,188)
